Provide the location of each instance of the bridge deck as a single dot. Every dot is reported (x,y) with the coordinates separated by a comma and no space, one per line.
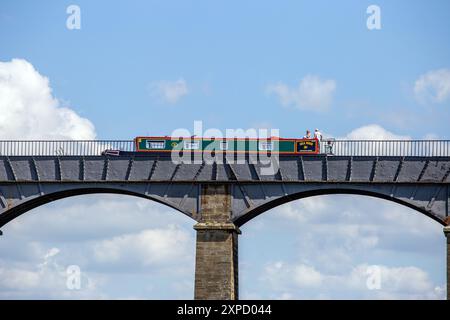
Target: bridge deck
(290,168)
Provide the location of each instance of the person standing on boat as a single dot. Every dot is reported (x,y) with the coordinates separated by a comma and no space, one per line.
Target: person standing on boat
(307,135)
(317,134)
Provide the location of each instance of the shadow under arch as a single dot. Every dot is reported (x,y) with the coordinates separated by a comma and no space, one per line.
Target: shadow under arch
(24,207)
(250,214)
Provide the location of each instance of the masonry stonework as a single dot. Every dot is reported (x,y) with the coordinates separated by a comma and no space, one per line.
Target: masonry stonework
(216,263)
(447,234)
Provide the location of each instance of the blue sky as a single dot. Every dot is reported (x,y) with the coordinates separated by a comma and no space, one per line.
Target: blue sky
(149,67)
(228,53)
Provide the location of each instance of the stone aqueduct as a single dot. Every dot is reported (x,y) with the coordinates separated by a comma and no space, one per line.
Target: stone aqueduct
(222,196)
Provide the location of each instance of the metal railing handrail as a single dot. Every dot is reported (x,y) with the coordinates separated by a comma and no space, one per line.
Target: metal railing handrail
(66,140)
(390,140)
(361,147)
(62,147)
(404,148)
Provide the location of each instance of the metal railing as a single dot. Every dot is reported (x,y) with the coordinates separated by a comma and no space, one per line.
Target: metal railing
(404,148)
(62,147)
(420,148)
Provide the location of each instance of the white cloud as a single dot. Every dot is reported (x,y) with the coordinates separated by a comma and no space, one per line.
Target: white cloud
(293,280)
(312,93)
(433,86)
(431,136)
(406,282)
(76,220)
(29,110)
(51,253)
(169,91)
(321,247)
(360,223)
(45,280)
(146,248)
(307,276)
(374,132)
(18,279)
(303,211)
(125,247)
(377,132)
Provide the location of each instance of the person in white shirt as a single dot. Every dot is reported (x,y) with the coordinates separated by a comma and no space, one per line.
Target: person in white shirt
(317,134)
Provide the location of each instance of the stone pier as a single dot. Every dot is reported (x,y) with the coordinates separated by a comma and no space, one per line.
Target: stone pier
(216,262)
(447,235)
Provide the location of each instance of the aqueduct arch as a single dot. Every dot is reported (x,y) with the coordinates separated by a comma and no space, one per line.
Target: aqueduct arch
(25,206)
(253,213)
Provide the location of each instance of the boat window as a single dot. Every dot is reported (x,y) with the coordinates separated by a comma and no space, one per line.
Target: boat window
(189,145)
(223,145)
(156,144)
(265,146)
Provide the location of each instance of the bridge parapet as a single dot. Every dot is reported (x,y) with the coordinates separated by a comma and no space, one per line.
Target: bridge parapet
(400,148)
(419,182)
(320,168)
